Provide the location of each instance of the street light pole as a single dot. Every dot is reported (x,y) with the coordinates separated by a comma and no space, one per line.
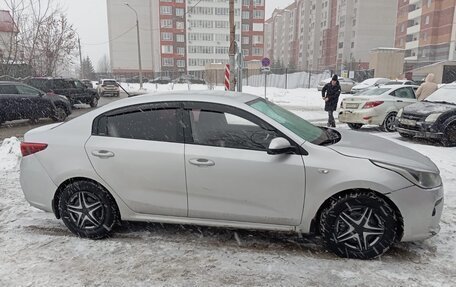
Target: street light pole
(139,46)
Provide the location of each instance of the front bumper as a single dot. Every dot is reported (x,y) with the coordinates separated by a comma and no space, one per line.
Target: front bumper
(418,129)
(421,210)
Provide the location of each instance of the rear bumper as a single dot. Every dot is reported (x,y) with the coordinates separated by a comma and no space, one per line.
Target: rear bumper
(36,184)
(421,210)
(363,116)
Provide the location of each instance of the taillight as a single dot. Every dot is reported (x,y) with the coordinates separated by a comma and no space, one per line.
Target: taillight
(31,148)
(369,105)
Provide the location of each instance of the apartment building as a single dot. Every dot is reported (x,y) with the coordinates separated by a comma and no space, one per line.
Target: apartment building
(335,34)
(183,36)
(427,30)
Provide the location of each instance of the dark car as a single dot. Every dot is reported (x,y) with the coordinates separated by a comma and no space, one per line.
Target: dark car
(161,80)
(87,83)
(20,101)
(135,80)
(433,118)
(189,80)
(73,89)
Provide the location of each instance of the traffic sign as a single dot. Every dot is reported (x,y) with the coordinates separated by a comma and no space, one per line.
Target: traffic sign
(265,69)
(265,62)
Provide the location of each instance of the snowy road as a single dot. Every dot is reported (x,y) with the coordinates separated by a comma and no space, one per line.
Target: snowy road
(38,250)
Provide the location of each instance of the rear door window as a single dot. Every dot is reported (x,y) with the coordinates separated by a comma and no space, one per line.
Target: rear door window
(404,93)
(8,89)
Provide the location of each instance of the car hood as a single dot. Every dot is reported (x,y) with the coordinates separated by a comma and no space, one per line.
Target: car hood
(423,109)
(361,145)
(361,86)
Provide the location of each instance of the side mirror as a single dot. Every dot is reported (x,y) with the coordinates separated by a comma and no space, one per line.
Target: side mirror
(280,146)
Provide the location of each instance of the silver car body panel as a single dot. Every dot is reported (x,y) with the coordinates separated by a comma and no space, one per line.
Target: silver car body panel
(325,171)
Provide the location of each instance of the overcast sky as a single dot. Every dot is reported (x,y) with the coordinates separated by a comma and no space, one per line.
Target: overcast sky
(90,20)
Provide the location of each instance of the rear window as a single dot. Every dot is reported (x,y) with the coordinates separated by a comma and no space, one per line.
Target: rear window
(41,84)
(110,83)
(373,92)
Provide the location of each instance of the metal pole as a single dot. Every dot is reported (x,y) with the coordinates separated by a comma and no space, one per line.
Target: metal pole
(139,46)
(232,51)
(286,78)
(81,72)
(265,84)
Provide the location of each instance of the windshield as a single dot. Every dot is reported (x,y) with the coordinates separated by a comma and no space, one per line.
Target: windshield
(444,94)
(373,92)
(369,81)
(294,123)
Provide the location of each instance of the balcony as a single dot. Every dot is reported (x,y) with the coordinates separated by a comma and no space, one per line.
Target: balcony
(413,29)
(411,45)
(415,14)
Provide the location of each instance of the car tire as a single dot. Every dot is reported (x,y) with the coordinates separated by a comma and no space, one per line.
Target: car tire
(449,137)
(389,124)
(60,114)
(94,102)
(404,135)
(355,126)
(359,225)
(88,210)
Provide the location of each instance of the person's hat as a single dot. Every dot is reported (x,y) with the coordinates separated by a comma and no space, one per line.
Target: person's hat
(334,78)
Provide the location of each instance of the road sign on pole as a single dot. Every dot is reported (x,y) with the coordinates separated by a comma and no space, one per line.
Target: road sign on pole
(265,62)
(265,69)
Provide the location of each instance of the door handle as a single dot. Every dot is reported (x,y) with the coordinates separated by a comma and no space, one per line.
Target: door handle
(202,162)
(103,153)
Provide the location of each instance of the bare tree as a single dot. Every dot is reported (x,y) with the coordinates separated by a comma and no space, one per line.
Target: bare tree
(104,65)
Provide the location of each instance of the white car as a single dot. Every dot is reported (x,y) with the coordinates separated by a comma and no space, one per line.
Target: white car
(346,85)
(230,160)
(369,83)
(108,87)
(376,106)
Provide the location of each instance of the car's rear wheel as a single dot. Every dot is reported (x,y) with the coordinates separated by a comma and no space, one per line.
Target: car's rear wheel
(355,126)
(449,137)
(359,225)
(389,125)
(94,102)
(88,210)
(60,114)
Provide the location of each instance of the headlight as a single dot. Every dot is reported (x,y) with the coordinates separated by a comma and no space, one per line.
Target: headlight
(423,179)
(399,114)
(432,117)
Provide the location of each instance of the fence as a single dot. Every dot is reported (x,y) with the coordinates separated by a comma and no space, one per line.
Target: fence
(286,80)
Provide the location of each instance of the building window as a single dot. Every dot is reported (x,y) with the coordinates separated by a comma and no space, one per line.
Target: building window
(168,62)
(179,1)
(402,28)
(257,52)
(180,63)
(246,52)
(167,49)
(166,1)
(180,38)
(180,12)
(166,10)
(180,51)
(258,14)
(427,20)
(166,23)
(257,27)
(245,15)
(429,3)
(167,36)
(353,45)
(246,40)
(258,2)
(257,39)
(246,2)
(341,45)
(245,27)
(180,25)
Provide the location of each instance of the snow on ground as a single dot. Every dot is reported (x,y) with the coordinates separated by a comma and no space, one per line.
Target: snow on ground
(37,250)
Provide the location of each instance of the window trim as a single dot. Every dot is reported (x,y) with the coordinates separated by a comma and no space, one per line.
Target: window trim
(98,125)
(187,105)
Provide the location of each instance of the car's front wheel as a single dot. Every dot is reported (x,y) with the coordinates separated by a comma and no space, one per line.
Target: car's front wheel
(389,125)
(94,102)
(88,210)
(60,114)
(355,126)
(359,225)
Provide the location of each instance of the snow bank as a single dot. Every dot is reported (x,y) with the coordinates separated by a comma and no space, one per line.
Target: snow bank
(10,154)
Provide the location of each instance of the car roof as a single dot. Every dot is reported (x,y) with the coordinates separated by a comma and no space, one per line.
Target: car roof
(398,86)
(218,97)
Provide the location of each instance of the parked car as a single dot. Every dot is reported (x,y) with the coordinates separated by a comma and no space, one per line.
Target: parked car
(401,82)
(377,106)
(230,160)
(108,87)
(161,80)
(369,83)
(346,85)
(434,118)
(87,83)
(73,89)
(189,80)
(20,101)
(135,80)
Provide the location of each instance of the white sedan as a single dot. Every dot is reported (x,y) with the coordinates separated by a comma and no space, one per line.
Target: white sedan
(376,106)
(368,84)
(230,160)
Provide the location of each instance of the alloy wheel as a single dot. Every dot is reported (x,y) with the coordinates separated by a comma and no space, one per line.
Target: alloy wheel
(390,123)
(359,228)
(60,114)
(86,210)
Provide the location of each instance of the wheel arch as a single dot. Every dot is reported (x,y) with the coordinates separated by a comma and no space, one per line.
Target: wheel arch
(63,185)
(314,224)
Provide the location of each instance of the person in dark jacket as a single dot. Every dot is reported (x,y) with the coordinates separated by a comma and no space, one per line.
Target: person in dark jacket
(330,94)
